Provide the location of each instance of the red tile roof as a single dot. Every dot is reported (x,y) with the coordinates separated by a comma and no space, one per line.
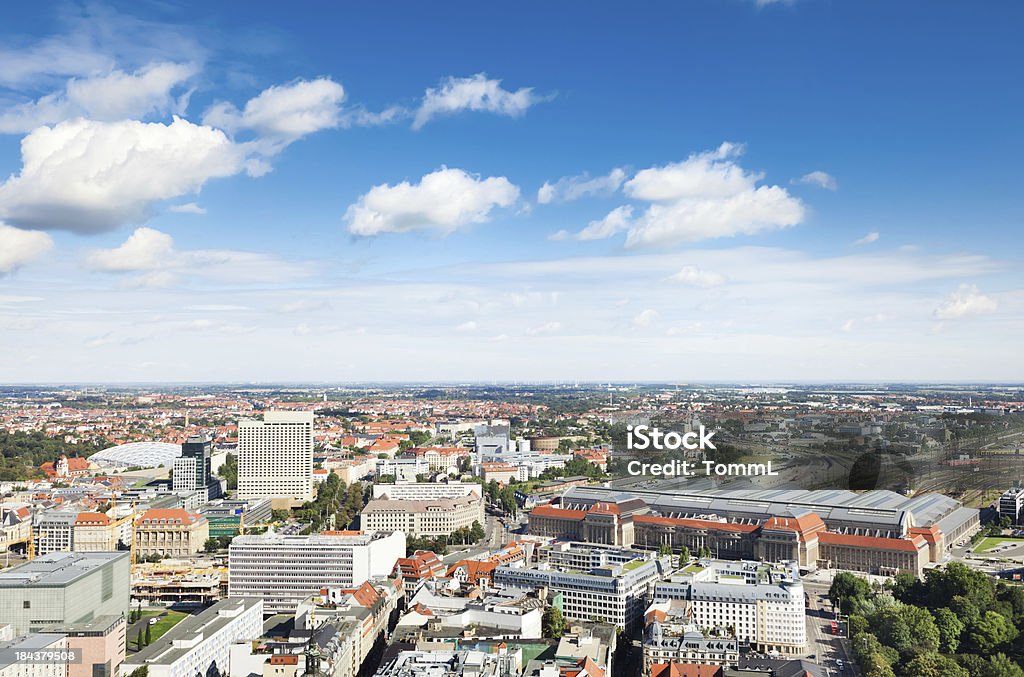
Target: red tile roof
(91,519)
(911,544)
(685,670)
(554,511)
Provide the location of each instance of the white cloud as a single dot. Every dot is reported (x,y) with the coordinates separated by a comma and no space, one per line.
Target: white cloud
(705,196)
(284,113)
(88,176)
(693,275)
(964,302)
(469,326)
(645,318)
(819,179)
(154,254)
(559,235)
(547,328)
(144,249)
(116,95)
(443,201)
(569,188)
(869,238)
(475,93)
(303,329)
(19,247)
(187,208)
(617,220)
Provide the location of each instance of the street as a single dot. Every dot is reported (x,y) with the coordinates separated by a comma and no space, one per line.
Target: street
(821,643)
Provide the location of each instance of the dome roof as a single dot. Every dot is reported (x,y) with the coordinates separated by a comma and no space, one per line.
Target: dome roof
(142,454)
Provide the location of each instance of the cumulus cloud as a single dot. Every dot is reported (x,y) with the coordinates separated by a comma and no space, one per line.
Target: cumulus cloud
(706,196)
(475,93)
(188,208)
(154,254)
(88,176)
(115,96)
(443,201)
(965,302)
(19,247)
(283,113)
(819,179)
(869,238)
(692,275)
(618,220)
(645,318)
(569,188)
(469,326)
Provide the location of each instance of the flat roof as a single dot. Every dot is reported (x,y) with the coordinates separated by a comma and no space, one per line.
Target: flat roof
(57,569)
(205,624)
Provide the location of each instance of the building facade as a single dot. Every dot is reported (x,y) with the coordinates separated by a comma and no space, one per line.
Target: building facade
(64,588)
(284,570)
(275,456)
(423,518)
(170,532)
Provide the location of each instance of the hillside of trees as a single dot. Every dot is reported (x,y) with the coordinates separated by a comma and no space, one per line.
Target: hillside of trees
(22,453)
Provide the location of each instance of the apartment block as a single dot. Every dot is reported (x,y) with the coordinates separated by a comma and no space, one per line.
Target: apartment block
(275,456)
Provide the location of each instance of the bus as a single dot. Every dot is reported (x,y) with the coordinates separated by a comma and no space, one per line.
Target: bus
(835,628)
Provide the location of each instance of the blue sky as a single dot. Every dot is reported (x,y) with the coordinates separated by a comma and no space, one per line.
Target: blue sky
(735,190)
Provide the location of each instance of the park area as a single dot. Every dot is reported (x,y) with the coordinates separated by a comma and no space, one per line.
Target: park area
(991,543)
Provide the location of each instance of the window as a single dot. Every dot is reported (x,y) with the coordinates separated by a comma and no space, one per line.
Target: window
(26,604)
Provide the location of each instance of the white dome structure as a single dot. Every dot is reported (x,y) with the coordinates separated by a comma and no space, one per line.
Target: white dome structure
(141,454)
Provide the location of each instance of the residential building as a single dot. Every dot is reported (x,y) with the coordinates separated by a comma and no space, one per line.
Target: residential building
(10,666)
(66,468)
(275,456)
(613,592)
(64,588)
(200,644)
(761,604)
(284,570)
(418,569)
(454,664)
(53,531)
(422,518)
(170,532)
(670,636)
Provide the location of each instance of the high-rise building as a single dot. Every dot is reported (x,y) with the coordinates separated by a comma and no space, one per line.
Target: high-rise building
(1011,504)
(283,570)
(275,456)
(64,587)
(192,470)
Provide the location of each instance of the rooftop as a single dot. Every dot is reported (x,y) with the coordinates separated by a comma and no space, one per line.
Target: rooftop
(57,569)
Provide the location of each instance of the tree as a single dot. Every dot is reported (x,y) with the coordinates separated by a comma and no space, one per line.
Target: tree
(476,532)
(931,664)
(845,589)
(138,641)
(857,624)
(950,628)
(149,634)
(684,555)
(552,623)
(211,545)
(1001,665)
(665,550)
(229,471)
(141,671)
(990,631)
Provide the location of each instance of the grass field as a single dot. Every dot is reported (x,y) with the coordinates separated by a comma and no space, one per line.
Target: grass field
(988,544)
(165,623)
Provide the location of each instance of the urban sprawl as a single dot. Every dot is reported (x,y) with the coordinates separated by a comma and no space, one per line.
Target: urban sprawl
(453,530)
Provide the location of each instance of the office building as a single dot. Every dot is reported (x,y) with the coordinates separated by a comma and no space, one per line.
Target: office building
(193,471)
(760,604)
(170,532)
(275,456)
(283,570)
(422,518)
(614,592)
(1011,504)
(64,588)
(101,642)
(201,644)
(427,491)
(96,532)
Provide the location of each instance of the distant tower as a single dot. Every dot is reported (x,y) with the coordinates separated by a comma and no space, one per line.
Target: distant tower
(186,420)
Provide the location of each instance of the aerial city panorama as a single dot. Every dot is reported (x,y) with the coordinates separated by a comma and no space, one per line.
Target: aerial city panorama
(404,339)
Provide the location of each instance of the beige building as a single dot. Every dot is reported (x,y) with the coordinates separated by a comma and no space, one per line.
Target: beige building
(95,532)
(171,532)
(102,643)
(422,518)
(275,456)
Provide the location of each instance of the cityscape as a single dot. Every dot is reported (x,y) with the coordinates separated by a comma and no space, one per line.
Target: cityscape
(403,339)
(421,529)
